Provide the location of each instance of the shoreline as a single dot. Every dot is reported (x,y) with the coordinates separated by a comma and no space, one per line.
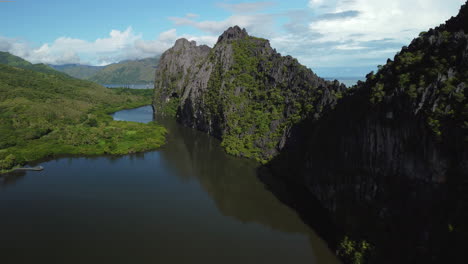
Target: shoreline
(38,168)
(93,151)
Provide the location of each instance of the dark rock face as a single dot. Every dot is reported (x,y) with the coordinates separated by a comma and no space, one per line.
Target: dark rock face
(233,33)
(241,91)
(390,161)
(458,22)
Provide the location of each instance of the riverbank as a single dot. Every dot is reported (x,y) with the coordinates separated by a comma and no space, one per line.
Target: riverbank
(188,196)
(45,113)
(97,134)
(38,168)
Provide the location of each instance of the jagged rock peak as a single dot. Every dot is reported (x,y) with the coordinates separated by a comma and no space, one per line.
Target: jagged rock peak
(183,42)
(459,22)
(234,32)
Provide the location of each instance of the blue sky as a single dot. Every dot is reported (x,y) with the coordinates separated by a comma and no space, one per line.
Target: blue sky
(333,37)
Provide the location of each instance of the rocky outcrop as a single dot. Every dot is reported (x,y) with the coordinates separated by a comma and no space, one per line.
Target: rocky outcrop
(241,91)
(175,66)
(390,161)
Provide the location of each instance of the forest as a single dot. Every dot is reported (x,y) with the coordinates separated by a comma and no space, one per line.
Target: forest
(45,113)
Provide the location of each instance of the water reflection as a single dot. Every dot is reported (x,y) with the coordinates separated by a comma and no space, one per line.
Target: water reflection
(11,178)
(232,183)
(188,202)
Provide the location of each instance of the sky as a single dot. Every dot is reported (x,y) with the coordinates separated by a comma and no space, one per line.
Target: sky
(335,38)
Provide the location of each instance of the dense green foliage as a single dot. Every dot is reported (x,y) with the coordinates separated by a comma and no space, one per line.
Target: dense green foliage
(146,93)
(429,76)
(241,91)
(253,109)
(127,72)
(44,115)
(170,109)
(256,107)
(77,70)
(353,251)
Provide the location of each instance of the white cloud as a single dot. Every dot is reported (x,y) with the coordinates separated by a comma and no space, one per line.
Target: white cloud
(192,15)
(355,33)
(315,3)
(169,35)
(246,7)
(202,40)
(349,47)
(329,33)
(255,24)
(332,33)
(119,45)
(401,20)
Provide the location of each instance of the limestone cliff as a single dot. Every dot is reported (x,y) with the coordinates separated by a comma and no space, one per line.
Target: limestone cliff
(241,91)
(390,161)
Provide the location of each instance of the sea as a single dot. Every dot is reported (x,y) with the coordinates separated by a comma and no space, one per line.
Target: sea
(348,81)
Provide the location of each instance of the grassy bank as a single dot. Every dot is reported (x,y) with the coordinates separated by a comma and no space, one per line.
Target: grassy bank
(46,114)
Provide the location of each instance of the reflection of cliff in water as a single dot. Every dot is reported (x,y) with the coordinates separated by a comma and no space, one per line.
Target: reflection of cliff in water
(230,181)
(11,178)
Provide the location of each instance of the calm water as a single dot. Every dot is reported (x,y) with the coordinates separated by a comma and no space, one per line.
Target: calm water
(348,81)
(185,203)
(131,86)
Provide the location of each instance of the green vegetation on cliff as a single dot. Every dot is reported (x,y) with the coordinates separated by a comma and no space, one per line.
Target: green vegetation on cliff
(431,79)
(353,251)
(390,161)
(253,109)
(241,91)
(43,115)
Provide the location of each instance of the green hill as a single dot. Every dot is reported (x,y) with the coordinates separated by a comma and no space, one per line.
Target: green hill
(15,61)
(45,113)
(77,70)
(127,72)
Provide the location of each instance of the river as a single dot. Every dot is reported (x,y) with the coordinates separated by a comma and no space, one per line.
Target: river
(188,202)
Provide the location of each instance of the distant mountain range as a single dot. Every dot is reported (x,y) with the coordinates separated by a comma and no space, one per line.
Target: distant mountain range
(44,112)
(78,70)
(14,61)
(126,72)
